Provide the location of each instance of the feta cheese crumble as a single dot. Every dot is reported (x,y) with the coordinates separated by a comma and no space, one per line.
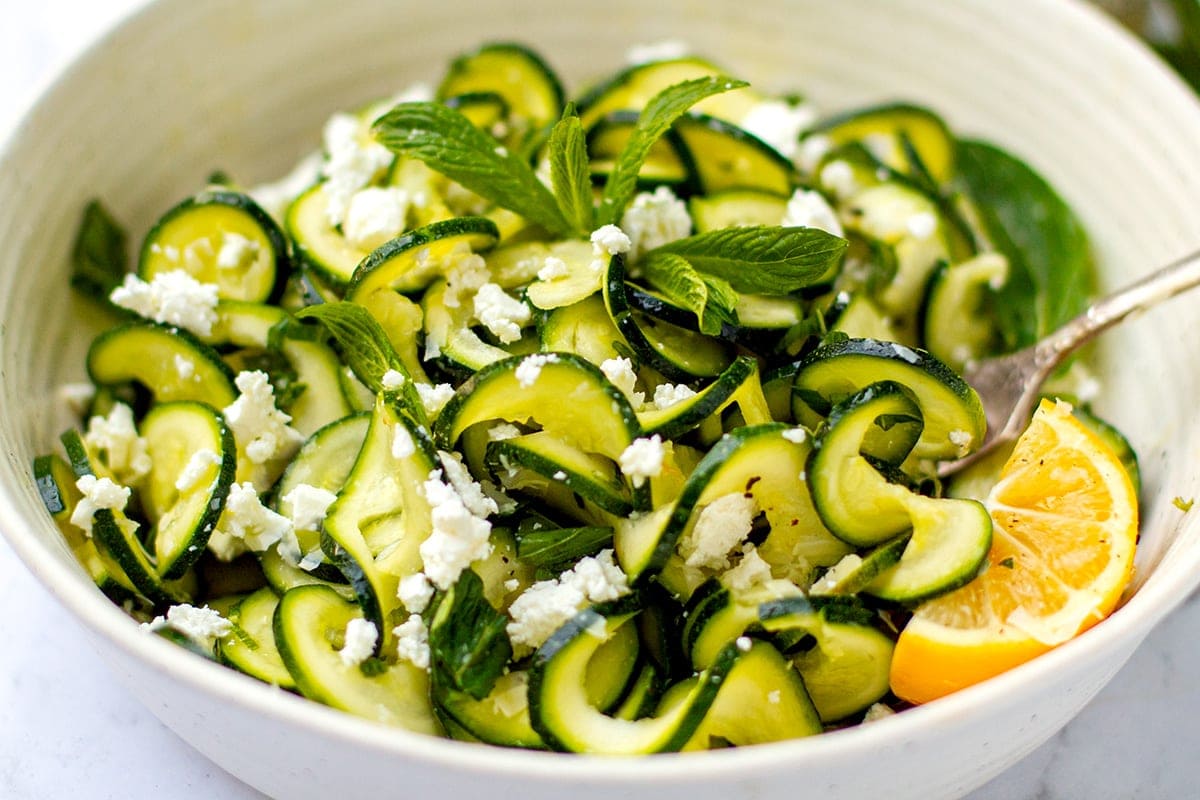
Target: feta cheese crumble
(743,643)
(458,537)
(353,161)
(609,240)
(246,522)
(260,429)
(434,398)
(402,443)
(358,641)
(415,591)
(412,641)
(643,459)
(921,225)
(552,268)
(308,506)
(502,431)
(809,209)
(196,468)
(392,380)
(795,435)
(116,438)
(750,572)
(812,149)
(652,220)
(620,374)
(722,525)
(530,368)
(543,608)
(961,439)
(98,493)
(202,625)
(779,124)
(236,251)
(668,394)
(501,314)
(171,298)
(375,215)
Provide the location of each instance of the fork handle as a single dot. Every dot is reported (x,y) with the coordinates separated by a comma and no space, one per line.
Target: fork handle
(1163,284)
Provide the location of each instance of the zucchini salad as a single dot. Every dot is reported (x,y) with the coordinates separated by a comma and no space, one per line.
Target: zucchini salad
(604,425)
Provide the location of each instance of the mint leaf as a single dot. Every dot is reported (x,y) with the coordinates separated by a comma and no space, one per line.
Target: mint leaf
(450,144)
(657,116)
(468,644)
(365,348)
(560,548)
(99,257)
(569,172)
(762,259)
(711,299)
(1050,261)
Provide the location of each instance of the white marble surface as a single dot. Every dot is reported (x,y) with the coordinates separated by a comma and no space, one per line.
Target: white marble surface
(67,729)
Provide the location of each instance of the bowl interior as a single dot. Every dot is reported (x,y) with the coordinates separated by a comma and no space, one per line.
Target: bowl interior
(184,88)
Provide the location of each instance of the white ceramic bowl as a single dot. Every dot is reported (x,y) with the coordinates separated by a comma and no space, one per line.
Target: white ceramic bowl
(184,87)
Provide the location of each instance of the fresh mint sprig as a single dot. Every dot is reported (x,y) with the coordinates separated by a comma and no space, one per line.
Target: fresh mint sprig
(469,646)
(711,299)
(656,118)
(450,143)
(570,173)
(99,257)
(761,259)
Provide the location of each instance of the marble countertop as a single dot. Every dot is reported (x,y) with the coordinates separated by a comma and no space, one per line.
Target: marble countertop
(68,729)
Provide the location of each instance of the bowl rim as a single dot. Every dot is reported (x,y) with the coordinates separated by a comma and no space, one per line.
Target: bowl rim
(1128,625)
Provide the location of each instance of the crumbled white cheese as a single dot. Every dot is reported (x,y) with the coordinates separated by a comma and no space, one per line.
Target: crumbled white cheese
(546,605)
(98,493)
(773,697)
(434,398)
(501,314)
(308,506)
(196,468)
(652,220)
(412,641)
(721,526)
(552,268)
(559,475)
(403,445)
(172,298)
(202,625)
(812,149)
(458,537)
(245,518)
(260,429)
(828,582)
(275,197)
(392,380)
(779,124)
(668,394)
(921,225)
(185,368)
(743,643)
(375,215)
(466,274)
(795,435)
(620,374)
(648,53)
(117,439)
(511,585)
(750,572)
(353,161)
(809,209)
(838,177)
(358,643)
(530,368)
(609,240)
(471,492)
(236,251)
(643,459)
(502,431)
(415,591)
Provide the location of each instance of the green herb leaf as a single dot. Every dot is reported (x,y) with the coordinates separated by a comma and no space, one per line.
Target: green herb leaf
(555,547)
(99,257)
(365,348)
(711,299)
(448,143)
(570,174)
(1050,262)
(657,116)
(468,643)
(762,259)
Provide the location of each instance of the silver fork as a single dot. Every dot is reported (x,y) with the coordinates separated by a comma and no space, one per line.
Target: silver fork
(1009,385)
